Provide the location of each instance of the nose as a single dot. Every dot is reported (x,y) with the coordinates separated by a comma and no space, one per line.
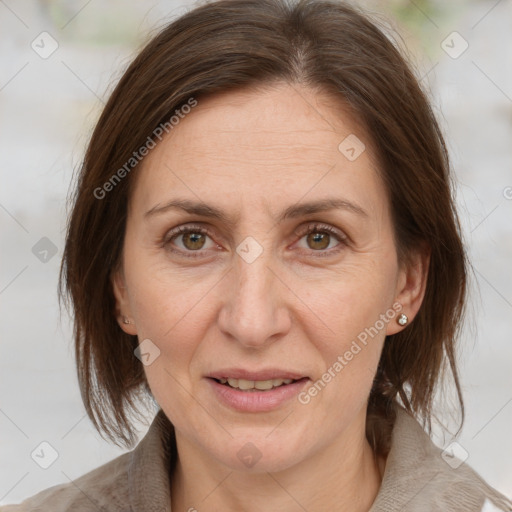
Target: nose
(254,311)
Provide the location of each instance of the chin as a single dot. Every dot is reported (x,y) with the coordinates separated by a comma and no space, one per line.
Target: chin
(257,454)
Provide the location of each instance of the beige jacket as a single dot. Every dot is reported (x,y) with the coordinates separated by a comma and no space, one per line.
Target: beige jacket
(416,479)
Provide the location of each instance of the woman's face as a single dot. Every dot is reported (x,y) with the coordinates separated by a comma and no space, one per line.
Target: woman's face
(221,279)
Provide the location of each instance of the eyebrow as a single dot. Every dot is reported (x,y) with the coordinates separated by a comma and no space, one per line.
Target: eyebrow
(297,210)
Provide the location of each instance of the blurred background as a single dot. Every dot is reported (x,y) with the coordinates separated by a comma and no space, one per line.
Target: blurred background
(60,59)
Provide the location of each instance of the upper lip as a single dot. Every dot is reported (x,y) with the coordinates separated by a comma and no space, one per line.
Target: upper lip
(266,374)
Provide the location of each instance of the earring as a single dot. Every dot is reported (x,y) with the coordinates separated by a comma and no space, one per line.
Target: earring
(125,320)
(402,319)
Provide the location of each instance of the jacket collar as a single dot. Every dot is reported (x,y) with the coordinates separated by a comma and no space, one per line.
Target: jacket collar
(420,477)
(150,467)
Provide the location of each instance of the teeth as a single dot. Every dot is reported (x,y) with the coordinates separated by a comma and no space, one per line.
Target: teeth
(264,384)
(243,384)
(252,384)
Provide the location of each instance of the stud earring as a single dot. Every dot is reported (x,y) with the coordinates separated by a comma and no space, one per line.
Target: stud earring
(125,320)
(402,319)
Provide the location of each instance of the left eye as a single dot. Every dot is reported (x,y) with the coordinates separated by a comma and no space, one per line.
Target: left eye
(318,241)
(320,238)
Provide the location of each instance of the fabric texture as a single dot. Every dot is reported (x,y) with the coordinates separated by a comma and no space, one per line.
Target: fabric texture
(416,479)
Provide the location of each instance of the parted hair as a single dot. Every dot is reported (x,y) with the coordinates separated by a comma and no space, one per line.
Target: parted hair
(225,45)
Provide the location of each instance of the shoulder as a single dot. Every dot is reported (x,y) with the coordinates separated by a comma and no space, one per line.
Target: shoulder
(137,480)
(104,488)
(419,476)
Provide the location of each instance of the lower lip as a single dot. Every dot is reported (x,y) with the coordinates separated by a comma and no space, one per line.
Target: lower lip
(256,401)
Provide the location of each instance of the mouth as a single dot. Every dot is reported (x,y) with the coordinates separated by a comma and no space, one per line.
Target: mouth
(256,385)
(255,391)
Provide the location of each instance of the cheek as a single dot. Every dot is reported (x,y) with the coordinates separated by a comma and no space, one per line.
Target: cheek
(175,317)
(348,319)
(347,334)
(174,311)
(164,299)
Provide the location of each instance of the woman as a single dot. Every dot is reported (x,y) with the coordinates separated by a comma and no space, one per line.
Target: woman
(263,240)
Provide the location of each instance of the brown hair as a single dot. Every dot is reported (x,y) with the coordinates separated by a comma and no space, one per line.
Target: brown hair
(231,44)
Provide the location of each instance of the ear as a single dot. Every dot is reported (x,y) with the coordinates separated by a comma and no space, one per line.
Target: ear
(411,286)
(123,310)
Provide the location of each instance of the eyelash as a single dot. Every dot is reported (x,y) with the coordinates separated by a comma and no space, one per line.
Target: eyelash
(303,231)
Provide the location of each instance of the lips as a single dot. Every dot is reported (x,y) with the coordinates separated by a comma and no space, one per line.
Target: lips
(263,380)
(260,375)
(251,385)
(228,390)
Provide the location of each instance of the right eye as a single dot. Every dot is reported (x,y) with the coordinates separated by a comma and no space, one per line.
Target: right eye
(189,239)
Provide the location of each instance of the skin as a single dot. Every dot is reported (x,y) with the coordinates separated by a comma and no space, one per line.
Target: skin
(252,153)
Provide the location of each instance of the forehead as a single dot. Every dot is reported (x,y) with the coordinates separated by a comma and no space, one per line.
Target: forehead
(271,146)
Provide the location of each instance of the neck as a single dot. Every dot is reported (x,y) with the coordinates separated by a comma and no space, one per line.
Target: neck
(343,476)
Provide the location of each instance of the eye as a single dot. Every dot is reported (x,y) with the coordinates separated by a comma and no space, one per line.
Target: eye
(192,240)
(189,239)
(321,238)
